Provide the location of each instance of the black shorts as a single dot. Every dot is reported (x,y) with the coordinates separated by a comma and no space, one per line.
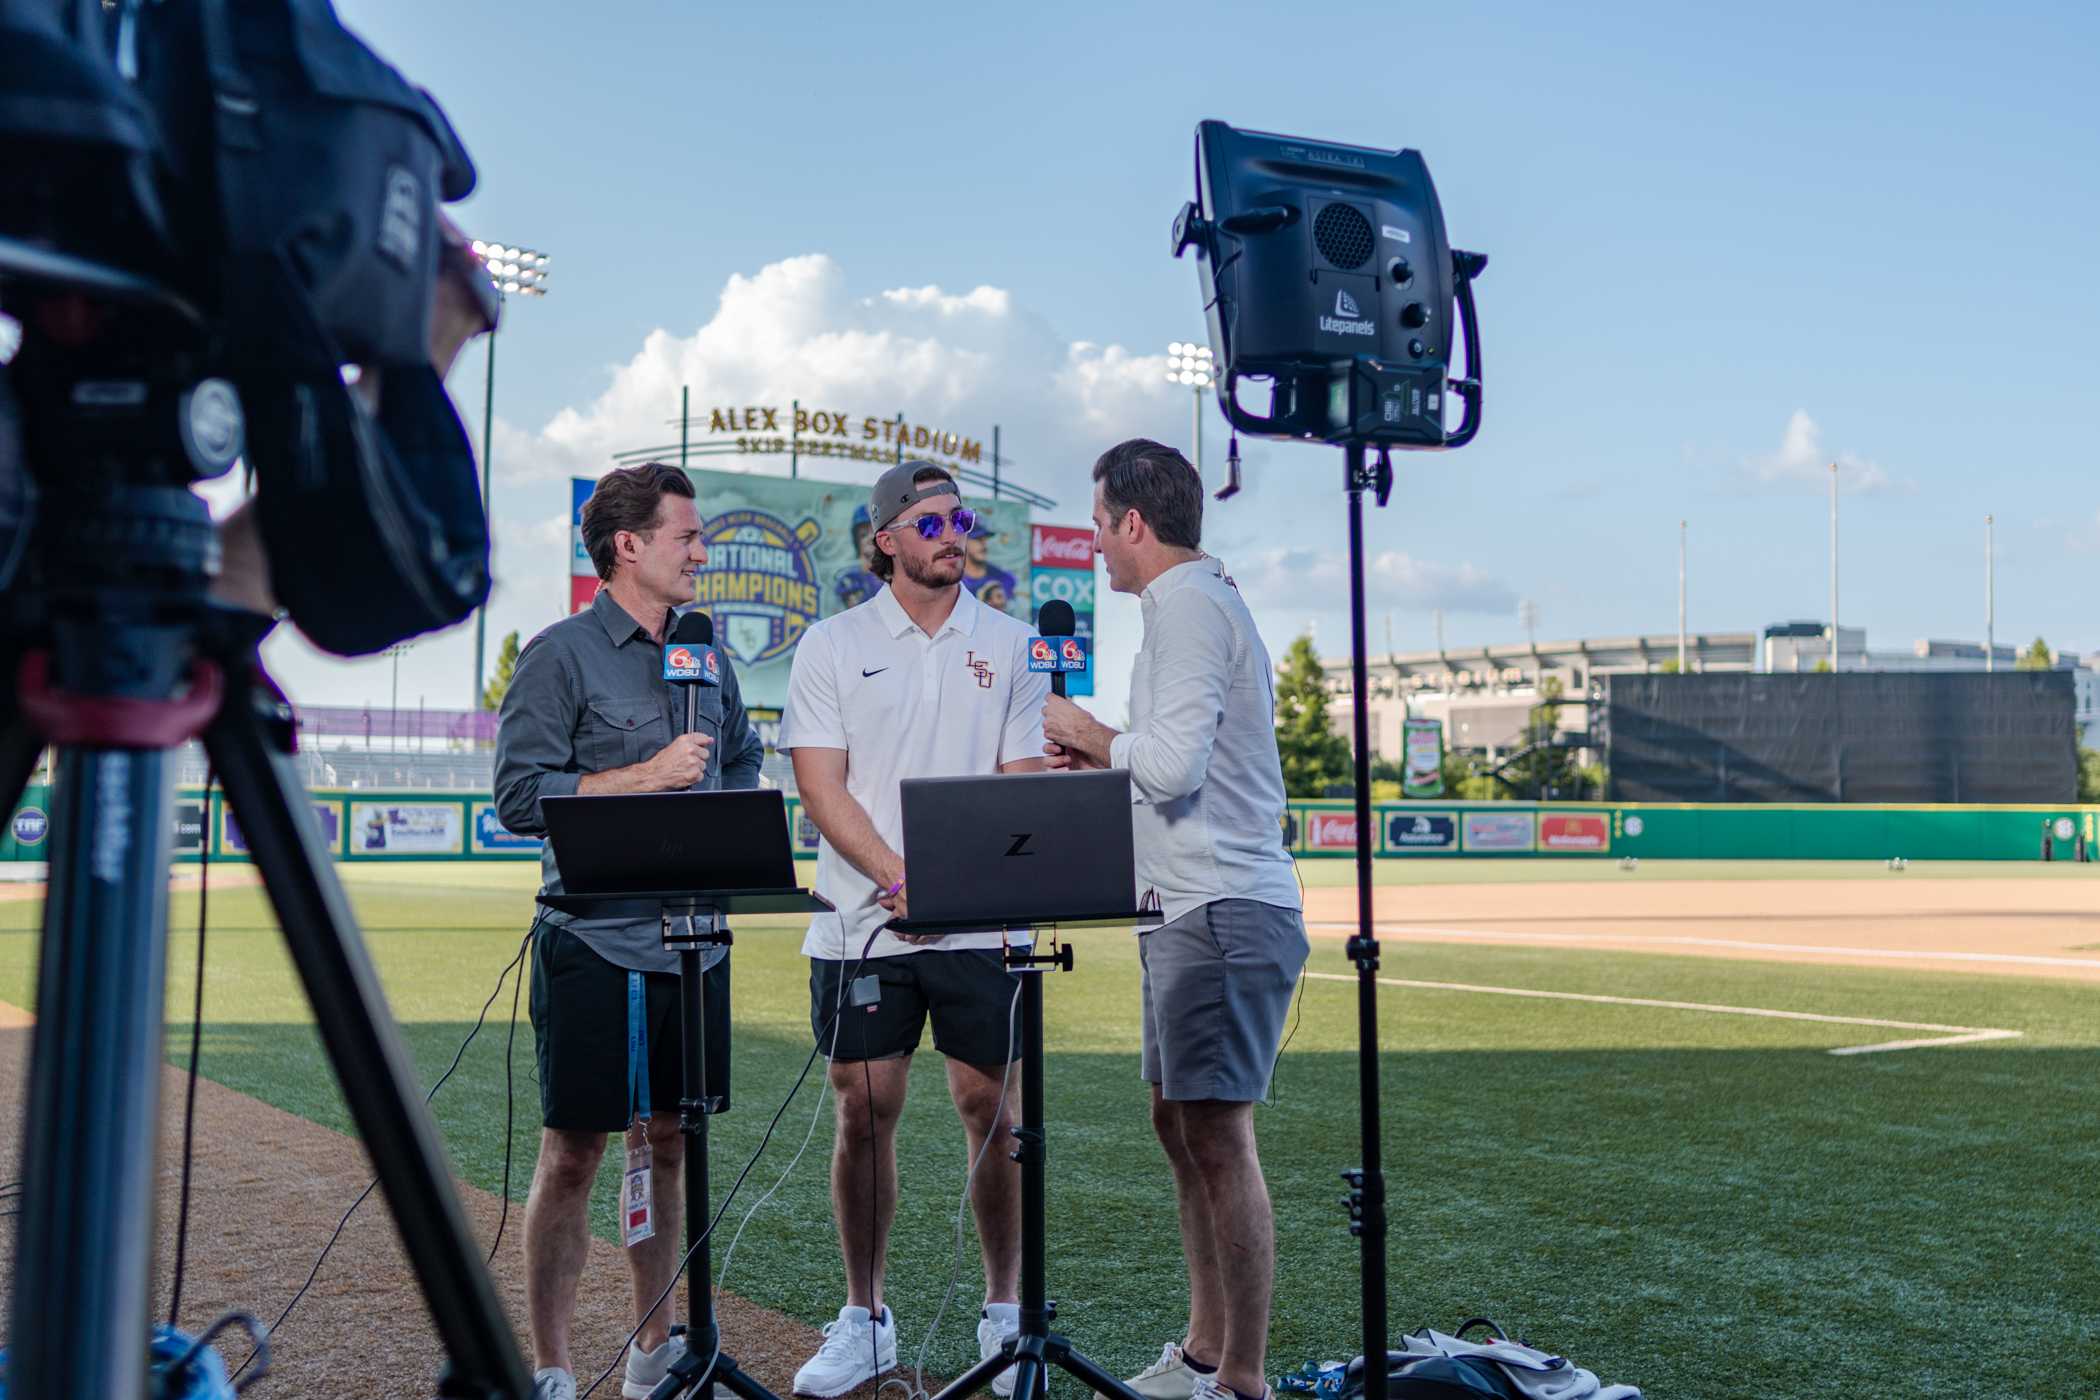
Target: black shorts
(579,1026)
(968,993)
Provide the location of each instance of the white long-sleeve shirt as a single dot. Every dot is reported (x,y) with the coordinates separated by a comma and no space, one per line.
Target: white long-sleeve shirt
(1201,749)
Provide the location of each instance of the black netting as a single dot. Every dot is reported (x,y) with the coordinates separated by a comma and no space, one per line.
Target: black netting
(1873,736)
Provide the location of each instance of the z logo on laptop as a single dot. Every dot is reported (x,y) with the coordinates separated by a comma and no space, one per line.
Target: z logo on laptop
(1019,847)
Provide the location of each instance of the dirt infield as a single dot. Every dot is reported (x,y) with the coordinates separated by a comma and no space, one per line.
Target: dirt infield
(1988,925)
(268,1189)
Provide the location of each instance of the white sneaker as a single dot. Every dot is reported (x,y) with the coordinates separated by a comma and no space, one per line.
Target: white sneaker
(1210,1388)
(855,1350)
(1168,1378)
(553,1383)
(647,1369)
(990,1333)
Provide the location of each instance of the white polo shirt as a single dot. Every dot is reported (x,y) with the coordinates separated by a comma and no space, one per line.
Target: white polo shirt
(906,705)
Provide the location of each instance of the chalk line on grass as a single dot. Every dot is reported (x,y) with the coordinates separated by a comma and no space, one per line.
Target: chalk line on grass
(1691,941)
(1949,1035)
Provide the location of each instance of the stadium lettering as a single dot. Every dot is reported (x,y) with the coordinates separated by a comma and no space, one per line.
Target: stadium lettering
(832,425)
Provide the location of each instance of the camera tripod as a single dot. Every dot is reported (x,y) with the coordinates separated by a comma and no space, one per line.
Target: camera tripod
(114,655)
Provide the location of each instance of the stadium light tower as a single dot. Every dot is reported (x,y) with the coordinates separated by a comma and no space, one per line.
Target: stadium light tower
(1191,364)
(520,272)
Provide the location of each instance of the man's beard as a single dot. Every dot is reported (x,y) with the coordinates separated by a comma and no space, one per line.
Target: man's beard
(933,573)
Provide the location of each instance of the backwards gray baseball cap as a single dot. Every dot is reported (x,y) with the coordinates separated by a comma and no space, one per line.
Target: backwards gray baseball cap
(895,492)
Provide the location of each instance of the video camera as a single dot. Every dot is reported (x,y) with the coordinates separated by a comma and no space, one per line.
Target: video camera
(208,210)
(1326,272)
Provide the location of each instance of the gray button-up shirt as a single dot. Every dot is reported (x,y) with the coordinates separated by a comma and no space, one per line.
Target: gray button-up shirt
(589,696)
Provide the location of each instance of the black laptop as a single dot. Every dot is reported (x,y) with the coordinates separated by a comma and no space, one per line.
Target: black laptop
(1016,850)
(655,843)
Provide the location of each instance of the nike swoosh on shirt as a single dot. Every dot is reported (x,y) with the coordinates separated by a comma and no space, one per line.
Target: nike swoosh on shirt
(876,672)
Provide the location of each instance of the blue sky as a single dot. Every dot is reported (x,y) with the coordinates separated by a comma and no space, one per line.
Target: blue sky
(1729,245)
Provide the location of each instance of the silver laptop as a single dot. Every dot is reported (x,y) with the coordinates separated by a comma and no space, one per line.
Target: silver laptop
(1019,849)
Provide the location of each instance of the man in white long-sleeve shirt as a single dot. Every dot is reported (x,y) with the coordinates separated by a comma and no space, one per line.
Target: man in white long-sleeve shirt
(1208,788)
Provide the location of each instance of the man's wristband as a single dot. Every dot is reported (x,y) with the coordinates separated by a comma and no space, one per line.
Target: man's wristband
(891,892)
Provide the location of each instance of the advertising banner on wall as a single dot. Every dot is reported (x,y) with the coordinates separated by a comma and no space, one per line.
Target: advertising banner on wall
(407,828)
(1432,833)
(1061,558)
(492,837)
(1500,831)
(189,827)
(233,842)
(783,552)
(1422,763)
(1330,831)
(1574,831)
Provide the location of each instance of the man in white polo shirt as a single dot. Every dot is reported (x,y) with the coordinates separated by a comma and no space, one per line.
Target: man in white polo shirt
(920,681)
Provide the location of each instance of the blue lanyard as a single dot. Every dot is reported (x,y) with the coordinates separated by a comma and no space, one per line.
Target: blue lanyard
(637,1051)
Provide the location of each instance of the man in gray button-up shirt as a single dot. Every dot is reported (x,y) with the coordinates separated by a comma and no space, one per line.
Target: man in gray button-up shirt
(588,711)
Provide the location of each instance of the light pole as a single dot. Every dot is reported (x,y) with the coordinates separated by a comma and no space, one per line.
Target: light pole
(1990,597)
(1189,363)
(516,272)
(1680,598)
(393,704)
(1833,568)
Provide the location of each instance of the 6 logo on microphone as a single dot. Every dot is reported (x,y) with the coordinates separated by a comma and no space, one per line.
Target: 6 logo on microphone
(692,663)
(1051,654)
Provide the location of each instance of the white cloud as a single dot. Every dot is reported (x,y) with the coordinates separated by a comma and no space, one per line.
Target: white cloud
(1802,458)
(958,362)
(796,329)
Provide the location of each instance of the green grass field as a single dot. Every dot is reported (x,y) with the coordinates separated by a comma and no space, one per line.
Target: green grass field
(1705,1205)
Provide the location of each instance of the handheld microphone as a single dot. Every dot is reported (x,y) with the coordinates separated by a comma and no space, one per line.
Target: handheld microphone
(1056,649)
(690,660)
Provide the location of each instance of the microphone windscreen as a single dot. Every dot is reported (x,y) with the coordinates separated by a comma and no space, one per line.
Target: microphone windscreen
(1056,619)
(697,629)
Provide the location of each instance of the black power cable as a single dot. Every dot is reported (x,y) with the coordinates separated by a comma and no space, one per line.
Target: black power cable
(189,1104)
(315,1272)
(510,1101)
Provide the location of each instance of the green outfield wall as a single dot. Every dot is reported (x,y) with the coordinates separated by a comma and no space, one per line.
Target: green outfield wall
(421,825)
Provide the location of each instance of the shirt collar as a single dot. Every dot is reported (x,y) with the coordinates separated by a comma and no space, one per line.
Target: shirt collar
(1181,575)
(897,622)
(619,624)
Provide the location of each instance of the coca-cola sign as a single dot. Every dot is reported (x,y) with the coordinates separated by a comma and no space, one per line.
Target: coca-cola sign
(1062,547)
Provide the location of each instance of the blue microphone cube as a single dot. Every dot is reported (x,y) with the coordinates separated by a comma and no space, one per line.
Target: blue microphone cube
(1043,653)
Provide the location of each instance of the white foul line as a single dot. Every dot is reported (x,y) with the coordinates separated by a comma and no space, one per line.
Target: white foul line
(1689,941)
(1952,1035)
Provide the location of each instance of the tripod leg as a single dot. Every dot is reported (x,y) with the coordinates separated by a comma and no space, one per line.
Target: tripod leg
(979,1377)
(92,1107)
(1080,1366)
(371,1065)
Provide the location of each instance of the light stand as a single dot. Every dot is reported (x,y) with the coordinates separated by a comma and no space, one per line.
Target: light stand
(1366,1199)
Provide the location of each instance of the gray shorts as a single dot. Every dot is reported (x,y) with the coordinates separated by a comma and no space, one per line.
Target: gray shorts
(1217,988)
